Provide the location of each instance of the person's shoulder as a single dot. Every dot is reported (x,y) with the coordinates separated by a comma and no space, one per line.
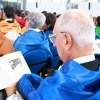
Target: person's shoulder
(16,23)
(3,23)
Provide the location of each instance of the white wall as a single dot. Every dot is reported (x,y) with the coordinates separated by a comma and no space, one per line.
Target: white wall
(49,7)
(61,7)
(94,8)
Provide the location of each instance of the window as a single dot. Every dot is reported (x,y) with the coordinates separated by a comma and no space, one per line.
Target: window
(29,0)
(92,0)
(36,0)
(45,0)
(56,0)
(64,0)
(78,0)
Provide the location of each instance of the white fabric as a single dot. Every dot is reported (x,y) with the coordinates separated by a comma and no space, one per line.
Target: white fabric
(10,19)
(83,59)
(14,97)
(37,30)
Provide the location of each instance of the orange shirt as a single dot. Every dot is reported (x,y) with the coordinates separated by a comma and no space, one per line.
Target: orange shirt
(6,27)
(5,45)
(24,30)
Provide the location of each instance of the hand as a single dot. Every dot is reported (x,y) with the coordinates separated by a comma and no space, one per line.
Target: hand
(11,90)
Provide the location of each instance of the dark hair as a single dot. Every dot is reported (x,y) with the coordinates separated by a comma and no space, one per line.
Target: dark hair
(55,13)
(44,12)
(19,13)
(98,21)
(9,11)
(26,13)
(58,15)
(23,15)
(50,19)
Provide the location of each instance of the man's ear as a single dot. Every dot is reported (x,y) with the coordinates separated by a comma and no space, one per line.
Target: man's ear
(68,41)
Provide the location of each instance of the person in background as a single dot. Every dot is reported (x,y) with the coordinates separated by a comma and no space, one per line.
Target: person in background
(24,28)
(94,20)
(58,15)
(33,38)
(54,13)
(26,13)
(23,15)
(47,28)
(0,15)
(5,44)
(97,29)
(5,48)
(79,77)
(44,12)
(9,23)
(18,17)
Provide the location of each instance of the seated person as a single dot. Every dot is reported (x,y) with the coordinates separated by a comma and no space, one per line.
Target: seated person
(26,13)
(79,77)
(33,38)
(9,24)
(47,28)
(5,48)
(20,20)
(97,29)
(0,15)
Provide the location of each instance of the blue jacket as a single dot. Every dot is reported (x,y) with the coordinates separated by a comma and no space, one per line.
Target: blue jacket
(71,82)
(31,40)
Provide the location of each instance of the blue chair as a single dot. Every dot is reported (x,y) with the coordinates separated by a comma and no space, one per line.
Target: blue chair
(36,60)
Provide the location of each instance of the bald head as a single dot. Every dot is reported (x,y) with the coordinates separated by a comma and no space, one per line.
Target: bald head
(78,24)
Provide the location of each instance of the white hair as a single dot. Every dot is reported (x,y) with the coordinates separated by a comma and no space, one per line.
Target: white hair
(79,25)
(37,20)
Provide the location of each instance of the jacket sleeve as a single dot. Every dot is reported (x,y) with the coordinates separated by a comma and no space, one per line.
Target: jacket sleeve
(28,83)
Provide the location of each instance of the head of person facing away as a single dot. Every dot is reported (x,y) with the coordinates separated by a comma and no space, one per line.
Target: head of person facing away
(98,21)
(74,35)
(20,20)
(18,13)
(50,22)
(8,12)
(35,20)
(26,13)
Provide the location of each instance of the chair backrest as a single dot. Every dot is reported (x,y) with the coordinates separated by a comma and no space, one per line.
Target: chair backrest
(36,59)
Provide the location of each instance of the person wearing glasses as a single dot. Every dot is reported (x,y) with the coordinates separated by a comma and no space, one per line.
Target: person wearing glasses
(79,77)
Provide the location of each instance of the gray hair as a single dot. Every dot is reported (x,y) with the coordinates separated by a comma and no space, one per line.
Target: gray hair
(79,25)
(36,19)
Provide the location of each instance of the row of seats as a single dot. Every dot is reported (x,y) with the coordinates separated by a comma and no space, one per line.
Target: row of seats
(38,61)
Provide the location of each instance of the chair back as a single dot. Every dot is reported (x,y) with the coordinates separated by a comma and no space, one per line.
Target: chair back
(36,59)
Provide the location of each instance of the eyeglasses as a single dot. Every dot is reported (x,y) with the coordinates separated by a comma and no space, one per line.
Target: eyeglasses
(52,37)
